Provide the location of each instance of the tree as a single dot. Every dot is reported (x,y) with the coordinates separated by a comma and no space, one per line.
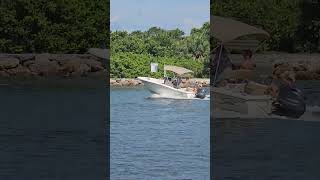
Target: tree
(57,26)
(133,52)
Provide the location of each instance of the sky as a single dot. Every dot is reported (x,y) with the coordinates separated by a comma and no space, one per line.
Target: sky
(131,15)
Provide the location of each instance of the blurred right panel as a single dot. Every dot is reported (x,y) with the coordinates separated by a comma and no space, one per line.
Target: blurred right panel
(265,89)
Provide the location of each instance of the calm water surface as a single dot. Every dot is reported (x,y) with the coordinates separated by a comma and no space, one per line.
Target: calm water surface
(52,133)
(158,138)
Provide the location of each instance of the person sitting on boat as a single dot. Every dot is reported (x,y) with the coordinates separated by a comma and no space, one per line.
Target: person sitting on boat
(247,62)
(287,79)
(165,80)
(289,99)
(176,82)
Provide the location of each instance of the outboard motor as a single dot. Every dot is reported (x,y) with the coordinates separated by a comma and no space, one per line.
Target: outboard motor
(290,102)
(201,93)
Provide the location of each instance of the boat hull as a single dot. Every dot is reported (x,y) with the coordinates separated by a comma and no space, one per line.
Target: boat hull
(255,106)
(158,89)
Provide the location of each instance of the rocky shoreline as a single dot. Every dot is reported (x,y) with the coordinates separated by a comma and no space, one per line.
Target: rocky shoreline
(299,71)
(136,82)
(92,64)
(302,66)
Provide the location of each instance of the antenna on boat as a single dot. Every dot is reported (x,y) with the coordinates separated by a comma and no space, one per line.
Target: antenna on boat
(219,59)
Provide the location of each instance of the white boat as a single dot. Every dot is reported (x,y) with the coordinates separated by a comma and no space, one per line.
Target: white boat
(235,35)
(159,89)
(165,89)
(232,97)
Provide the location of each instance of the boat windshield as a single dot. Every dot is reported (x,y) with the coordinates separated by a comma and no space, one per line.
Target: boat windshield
(173,82)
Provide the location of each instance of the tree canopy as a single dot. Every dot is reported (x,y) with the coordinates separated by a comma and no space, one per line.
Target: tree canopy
(58,26)
(294,25)
(132,53)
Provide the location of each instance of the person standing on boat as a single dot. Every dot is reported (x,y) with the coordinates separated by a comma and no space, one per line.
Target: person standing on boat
(247,62)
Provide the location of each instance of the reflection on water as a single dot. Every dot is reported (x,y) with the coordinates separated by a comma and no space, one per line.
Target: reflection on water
(158,138)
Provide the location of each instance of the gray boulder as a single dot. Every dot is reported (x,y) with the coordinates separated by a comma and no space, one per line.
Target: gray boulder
(100,53)
(8,62)
(45,68)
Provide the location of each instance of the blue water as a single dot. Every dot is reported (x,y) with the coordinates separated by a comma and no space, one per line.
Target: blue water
(49,133)
(158,138)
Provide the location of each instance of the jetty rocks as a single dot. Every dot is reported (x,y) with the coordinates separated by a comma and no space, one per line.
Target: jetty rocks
(300,70)
(125,82)
(304,66)
(136,82)
(92,64)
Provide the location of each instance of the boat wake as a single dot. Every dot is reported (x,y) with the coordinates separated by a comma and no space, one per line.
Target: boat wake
(156,96)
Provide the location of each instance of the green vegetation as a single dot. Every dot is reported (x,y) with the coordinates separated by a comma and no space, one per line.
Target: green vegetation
(57,26)
(294,25)
(73,26)
(132,53)
(131,65)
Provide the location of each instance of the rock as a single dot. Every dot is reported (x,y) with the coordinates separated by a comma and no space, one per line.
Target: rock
(315,68)
(71,66)
(124,83)
(93,64)
(305,75)
(129,82)
(19,71)
(300,67)
(280,70)
(42,57)
(79,65)
(83,69)
(8,62)
(28,63)
(45,68)
(100,53)
(25,57)
(112,81)
(135,83)
(76,69)
(139,82)
(288,75)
